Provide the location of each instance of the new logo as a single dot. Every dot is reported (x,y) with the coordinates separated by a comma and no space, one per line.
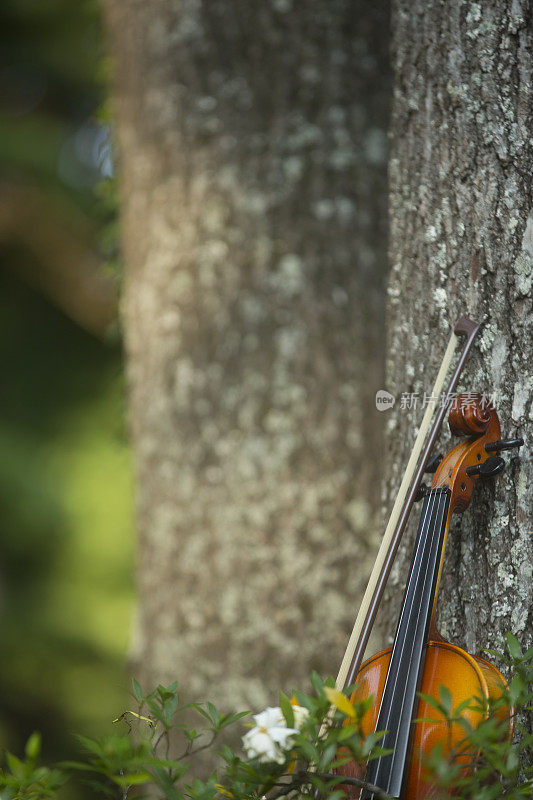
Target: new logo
(384,400)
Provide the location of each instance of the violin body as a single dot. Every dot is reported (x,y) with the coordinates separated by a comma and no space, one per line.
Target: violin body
(420,660)
(464,675)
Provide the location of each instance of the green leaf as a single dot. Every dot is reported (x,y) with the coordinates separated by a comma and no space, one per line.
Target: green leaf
(371,740)
(308,750)
(446,700)
(458,710)
(132,780)
(156,709)
(166,694)
(345,732)
(286,709)
(229,719)
(16,766)
(336,795)
(517,687)
(163,780)
(137,691)
(317,682)
(327,756)
(339,762)
(513,646)
(78,765)
(465,725)
(378,752)
(362,706)
(177,767)
(512,762)
(431,701)
(198,707)
(226,753)
(318,783)
(528,654)
(91,745)
(169,708)
(213,713)
(495,653)
(33,746)
(305,701)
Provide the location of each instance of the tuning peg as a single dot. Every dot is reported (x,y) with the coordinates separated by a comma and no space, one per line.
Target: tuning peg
(421,492)
(433,463)
(503,444)
(492,466)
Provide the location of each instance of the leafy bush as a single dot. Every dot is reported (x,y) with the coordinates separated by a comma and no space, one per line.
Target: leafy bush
(292,750)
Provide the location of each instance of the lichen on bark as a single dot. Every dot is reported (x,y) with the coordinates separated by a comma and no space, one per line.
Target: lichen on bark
(460,212)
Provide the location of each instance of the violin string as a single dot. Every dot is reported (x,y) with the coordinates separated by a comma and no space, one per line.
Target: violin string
(429,510)
(377,767)
(402,705)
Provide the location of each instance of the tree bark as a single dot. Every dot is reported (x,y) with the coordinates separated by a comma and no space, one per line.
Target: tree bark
(461,241)
(252,153)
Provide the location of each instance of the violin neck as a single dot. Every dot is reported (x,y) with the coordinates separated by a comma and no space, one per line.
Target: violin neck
(399,699)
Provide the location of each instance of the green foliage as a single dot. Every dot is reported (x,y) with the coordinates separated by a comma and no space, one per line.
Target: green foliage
(66,559)
(311,736)
(500,765)
(66,553)
(25,780)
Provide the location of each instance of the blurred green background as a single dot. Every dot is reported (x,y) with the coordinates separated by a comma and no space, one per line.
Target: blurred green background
(66,542)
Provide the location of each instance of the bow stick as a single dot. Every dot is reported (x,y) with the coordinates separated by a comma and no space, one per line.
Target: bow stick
(355,650)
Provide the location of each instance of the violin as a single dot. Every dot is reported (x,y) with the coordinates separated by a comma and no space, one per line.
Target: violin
(420,659)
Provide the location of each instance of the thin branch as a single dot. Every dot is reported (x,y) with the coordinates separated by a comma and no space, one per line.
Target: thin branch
(164,732)
(304,777)
(361,784)
(190,751)
(125,789)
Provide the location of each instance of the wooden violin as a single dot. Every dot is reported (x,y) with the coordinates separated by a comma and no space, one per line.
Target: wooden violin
(420,660)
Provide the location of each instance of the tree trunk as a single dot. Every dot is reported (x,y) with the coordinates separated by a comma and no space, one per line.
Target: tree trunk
(252,152)
(461,241)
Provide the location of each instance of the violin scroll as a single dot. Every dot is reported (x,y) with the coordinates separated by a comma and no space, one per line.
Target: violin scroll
(470,417)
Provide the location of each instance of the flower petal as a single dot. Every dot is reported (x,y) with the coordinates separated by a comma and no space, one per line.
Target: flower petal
(269,717)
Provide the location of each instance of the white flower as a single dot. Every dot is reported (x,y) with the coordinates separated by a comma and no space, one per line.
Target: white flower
(271,738)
